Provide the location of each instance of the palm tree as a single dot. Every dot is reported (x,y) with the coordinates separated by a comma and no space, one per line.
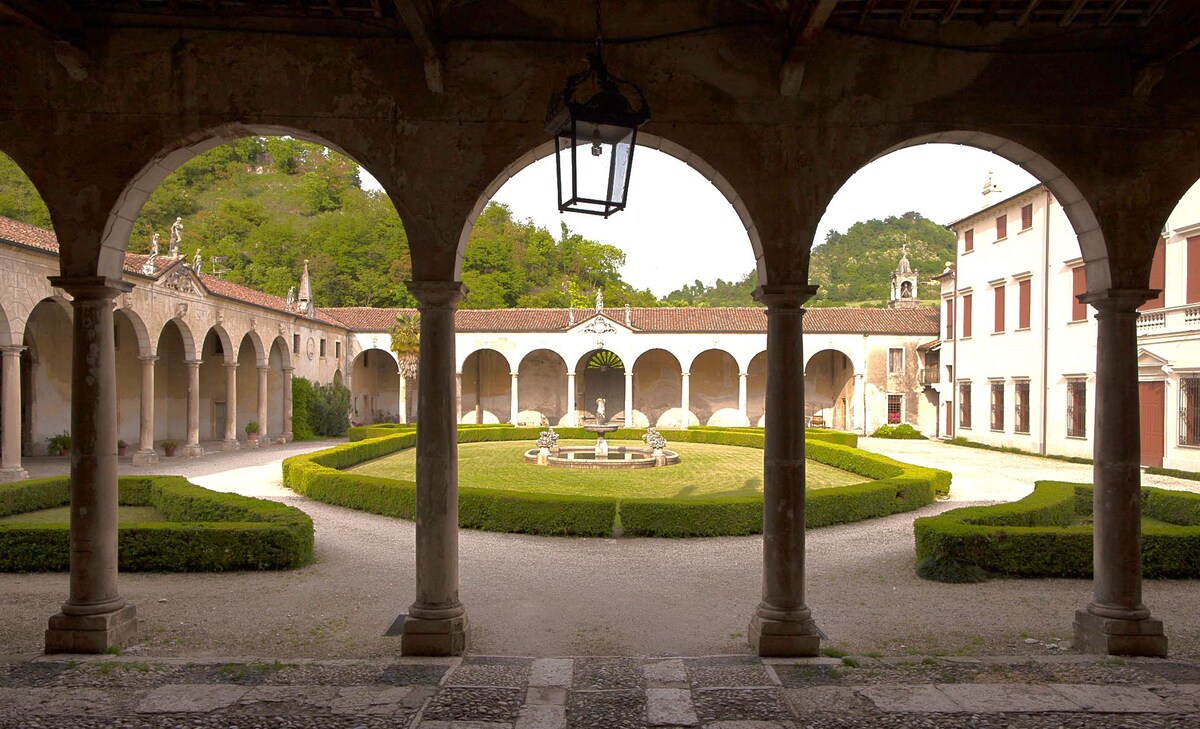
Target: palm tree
(406,343)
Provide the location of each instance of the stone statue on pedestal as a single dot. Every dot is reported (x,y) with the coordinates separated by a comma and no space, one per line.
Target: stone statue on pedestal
(176,237)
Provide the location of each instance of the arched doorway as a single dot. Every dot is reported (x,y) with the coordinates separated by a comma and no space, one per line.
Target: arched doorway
(46,375)
(486,388)
(216,352)
(130,343)
(829,390)
(279,373)
(713,389)
(541,389)
(175,349)
(374,388)
(603,375)
(756,390)
(658,391)
(250,357)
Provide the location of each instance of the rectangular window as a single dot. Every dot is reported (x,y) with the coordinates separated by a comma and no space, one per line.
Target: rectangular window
(1027,217)
(1078,286)
(1076,408)
(1193,269)
(968,240)
(337,350)
(322,347)
(966,323)
(998,406)
(1002,227)
(1158,277)
(964,404)
(1023,299)
(895,361)
(949,319)
(999,323)
(1021,411)
(1189,411)
(295,344)
(895,409)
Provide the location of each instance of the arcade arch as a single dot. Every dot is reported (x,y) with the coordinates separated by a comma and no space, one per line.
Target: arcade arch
(541,389)
(658,391)
(375,387)
(485,388)
(714,386)
(45,374)
(829,393)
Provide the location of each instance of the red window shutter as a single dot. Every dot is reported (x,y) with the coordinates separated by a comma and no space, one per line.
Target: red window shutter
(1002,226)
(999,309)
(1078,286)
(969,239)
(1193,269)
(1027,217)
(949,318)
(1023,304)
(966,323)
(1158,277)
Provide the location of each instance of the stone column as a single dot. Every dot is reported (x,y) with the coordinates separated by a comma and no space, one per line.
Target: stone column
(457,398)
(10,374)
(628,399)
(402,416)
(191,446)
(860,423)
(262,407)
(1116,622)
(743,379)
(146,453)
(570,422)
(95,618)
(782,624)
(685,400)
(287,404)
(513,408)
(436,623)
(231,436)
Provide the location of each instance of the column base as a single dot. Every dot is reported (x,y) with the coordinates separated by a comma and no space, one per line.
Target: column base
(8,475)
(1119,637)
(191,451)
(231,445)
(91,633)
(145,458)
(784,638)
(441,637)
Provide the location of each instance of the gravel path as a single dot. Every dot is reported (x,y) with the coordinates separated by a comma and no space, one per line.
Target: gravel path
(538,596)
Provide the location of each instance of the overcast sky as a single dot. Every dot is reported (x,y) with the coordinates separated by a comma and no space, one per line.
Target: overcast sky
(678,228)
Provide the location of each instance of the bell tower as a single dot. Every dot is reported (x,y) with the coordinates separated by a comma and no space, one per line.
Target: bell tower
(904,283)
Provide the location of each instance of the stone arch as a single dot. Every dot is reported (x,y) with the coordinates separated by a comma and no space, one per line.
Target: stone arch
(216,352)
(374,387)
(5,329)
(601,373)
(140,331)
(190,348)
(174,349)
(829,395)
(650,141)
(249,358)
(486,387)
(658,390)
(257,348)
(46,374)
(285,351)
(131,342)
(117,229)
(541,388)
(756,389)
(714,382)
(1076,207)
(279,363)
(227,351)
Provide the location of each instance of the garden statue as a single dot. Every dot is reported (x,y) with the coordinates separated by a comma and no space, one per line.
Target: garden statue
(196,261)
(176,236)
(599,299)
(656,442)
(600,410)
(291,299)
(154,245)
(546,441)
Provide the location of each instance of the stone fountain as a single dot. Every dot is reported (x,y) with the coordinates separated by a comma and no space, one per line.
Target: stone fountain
(548,452)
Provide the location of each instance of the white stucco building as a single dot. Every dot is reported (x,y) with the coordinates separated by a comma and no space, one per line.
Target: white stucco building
(1017,351)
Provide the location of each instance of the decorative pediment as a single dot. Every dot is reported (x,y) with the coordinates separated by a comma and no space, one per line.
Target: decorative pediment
(1151,366)
(181,279)
(600,325)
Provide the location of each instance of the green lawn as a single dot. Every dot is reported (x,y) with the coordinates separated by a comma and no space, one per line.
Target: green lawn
(62,515)
(704,471)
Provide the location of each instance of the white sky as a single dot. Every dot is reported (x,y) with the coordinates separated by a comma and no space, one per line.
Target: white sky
(678,228)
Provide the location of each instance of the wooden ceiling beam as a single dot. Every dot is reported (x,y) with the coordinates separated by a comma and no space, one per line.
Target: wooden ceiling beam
(868,8)
(807,26)
(1150,12)
(947,14)
(1027,13)
(1112,11)
(1069,16)
(376,9)
(418,18)
(911,7)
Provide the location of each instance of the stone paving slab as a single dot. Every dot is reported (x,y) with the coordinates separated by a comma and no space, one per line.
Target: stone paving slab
(925,699)
(191,699)
(670,707)
(1111,699)
(551,672)
(995,697)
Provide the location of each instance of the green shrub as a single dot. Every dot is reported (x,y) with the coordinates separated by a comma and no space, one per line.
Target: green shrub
(302,395)
(903,431)
(894,487)
(1046,534)
(205,531)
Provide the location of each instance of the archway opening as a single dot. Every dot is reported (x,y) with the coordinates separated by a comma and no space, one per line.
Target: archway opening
(250,357)
(658,391)
(542,387)
(713,390)
(131,344)
(603,376)
(46,375)
(374,388)
(279,365)
(175,349)
(486,388)
(829,394)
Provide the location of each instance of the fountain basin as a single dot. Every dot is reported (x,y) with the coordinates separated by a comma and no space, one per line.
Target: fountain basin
(617,458)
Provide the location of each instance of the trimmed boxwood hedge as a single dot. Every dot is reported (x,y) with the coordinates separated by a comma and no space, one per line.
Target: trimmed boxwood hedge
(205,531)
(1041,535)
(895,487)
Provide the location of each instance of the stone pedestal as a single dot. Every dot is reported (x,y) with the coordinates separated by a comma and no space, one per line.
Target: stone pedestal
(435,637)
(91,633)
(782,624)
(1119,637)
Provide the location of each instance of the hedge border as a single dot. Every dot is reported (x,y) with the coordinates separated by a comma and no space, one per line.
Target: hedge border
(896,487)
(1036,537)
(208,531)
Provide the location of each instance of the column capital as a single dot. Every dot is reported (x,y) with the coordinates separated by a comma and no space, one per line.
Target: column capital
(148,358)
(514,374)
(231,365)
(12,350)
(784,297)
(743,374)
(685,374)
(1118,301)
(193,362)
(288,370)
(91,288)
(436,294)
(262,368)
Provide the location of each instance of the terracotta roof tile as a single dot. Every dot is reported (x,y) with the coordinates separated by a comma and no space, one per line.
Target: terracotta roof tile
(28,235)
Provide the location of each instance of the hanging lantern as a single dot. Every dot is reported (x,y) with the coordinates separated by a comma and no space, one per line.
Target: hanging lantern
(595,180)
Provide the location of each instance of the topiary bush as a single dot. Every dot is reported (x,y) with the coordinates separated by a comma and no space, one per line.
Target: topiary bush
(319,411)
(205,531)
(302,395)
(895,487)
(903,431)
(1048,534)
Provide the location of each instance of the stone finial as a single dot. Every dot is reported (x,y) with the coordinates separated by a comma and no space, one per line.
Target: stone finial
(547,439)
(628,316)
(989,188)
(570,316)
(150,267)
(599,299)
(304,299)
(654,439)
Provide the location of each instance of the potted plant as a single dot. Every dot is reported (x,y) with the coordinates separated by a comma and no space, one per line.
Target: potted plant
(59,444)
(121,445)
(169,447)
(252,431)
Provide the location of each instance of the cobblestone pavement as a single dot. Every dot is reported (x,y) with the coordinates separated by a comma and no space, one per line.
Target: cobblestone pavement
(491,692)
